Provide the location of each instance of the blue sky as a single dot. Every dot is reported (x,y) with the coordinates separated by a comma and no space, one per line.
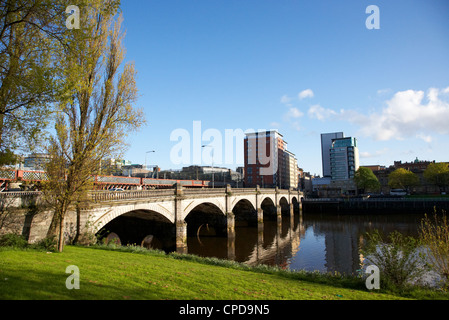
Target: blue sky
(301,67)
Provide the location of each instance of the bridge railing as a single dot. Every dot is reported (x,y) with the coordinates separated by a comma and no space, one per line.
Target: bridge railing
(244,190)
(218,191)
(18,199)
(100,196)
(21,198)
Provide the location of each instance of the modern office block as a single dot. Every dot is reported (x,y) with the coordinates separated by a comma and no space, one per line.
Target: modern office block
(344,158)
(326,145)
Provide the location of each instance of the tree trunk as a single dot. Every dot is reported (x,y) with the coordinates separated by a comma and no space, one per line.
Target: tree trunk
(61,234)
(78,223)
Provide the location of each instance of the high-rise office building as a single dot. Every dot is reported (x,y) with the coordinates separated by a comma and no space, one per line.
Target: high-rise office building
(267,161)
(326,145)
(344,158)
(291,171)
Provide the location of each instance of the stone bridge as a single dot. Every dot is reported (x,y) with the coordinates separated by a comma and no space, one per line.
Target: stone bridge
(165,211)
(176,206)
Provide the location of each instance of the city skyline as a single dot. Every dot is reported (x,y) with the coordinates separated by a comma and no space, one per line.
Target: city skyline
(300,67)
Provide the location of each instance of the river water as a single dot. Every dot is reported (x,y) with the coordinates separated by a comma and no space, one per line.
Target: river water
(322,242)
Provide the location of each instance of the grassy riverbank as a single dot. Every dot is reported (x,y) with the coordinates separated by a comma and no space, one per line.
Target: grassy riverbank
(109,274)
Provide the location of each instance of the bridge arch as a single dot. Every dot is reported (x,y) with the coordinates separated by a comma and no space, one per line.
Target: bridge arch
(245,213)
(117,211)
(248,199)
(263,198)
(284,199)
(206,219)
(285,205)
(296,203)
(268,206)
(246,202)
(211,202)
(145,224)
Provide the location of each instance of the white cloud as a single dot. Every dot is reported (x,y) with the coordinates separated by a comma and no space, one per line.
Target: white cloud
(285,99)
(308,93)
(426,138)
(383,91)
(408,114)
(294,113)
(318,112)
(292,117)
(365,154)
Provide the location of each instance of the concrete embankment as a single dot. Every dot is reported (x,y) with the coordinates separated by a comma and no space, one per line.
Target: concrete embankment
(380,205)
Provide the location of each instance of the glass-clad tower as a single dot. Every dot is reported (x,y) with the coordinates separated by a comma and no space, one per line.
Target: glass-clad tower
(344,158)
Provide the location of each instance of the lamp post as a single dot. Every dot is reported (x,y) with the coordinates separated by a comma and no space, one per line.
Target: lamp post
(208,146)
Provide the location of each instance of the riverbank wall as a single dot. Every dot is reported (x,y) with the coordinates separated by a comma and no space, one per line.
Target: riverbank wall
(372,206)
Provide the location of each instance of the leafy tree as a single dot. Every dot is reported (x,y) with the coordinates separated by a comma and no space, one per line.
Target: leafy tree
(96,117)
(402,179)
(366,180)
(437,174)
(31,33)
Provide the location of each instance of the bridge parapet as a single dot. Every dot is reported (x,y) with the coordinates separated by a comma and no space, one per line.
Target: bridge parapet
(15,199)
(19,199)
(102,196)
(215,191)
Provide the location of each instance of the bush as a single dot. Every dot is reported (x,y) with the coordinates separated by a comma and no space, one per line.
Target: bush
(397,258)
(13,240)
(435,238)
(47,244)
(16,241)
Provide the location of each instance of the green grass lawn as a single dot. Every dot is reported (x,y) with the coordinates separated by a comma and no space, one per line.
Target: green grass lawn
(106,274)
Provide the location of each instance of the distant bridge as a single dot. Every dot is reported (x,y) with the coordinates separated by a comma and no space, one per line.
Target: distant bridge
(100,182)
(178,207)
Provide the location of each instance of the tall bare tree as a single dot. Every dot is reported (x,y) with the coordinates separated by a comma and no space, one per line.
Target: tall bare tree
(95,118)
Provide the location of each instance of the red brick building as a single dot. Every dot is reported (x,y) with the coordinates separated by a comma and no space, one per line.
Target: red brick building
(267,160)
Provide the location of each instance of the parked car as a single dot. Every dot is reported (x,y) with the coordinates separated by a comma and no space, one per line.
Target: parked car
(116,189)
(398,192)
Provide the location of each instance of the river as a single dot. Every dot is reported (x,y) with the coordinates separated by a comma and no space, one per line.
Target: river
(322,242)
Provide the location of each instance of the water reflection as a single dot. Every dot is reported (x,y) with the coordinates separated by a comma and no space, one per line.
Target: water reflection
(326,243)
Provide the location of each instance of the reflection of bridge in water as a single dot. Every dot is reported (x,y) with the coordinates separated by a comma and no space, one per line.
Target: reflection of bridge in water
(271,242)
(280,247)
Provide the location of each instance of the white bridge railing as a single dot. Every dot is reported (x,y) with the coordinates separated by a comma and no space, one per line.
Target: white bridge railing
(17,199)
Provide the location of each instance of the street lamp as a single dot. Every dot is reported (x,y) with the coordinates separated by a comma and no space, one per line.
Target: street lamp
(208,146)
(146,168)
